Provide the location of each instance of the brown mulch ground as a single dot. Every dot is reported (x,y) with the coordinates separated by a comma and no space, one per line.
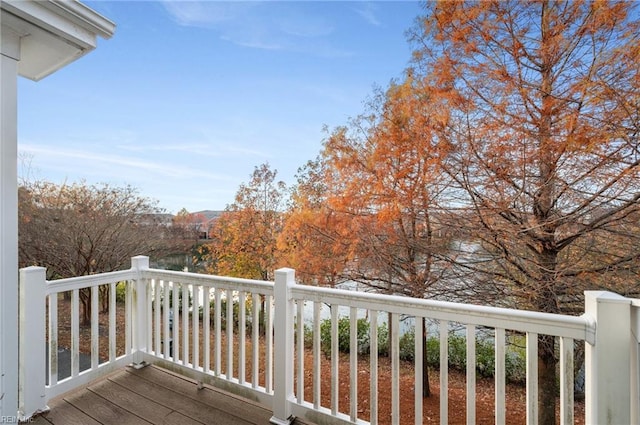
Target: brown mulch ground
(515,398)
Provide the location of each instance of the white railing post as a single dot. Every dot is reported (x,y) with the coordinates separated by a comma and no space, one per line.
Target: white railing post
(607,362)
(635,362)
(140,325)
(283,347)
(32,342)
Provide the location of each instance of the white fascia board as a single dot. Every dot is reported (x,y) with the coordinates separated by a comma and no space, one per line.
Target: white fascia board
(68,19)
(54,33)
(82,15)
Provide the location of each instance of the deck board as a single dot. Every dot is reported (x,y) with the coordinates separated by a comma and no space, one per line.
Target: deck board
(143,407)
(102,410)
(64,413)
(251,412)
(151,396)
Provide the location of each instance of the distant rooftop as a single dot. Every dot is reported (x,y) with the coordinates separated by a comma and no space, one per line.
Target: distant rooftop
(210,214)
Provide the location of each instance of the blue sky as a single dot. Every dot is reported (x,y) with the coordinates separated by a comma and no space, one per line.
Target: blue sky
(188,97)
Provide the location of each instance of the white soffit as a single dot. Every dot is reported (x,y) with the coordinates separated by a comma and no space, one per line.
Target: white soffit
(52,33)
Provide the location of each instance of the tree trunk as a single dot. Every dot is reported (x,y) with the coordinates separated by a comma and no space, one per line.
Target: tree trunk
(426,389)
(390,346)
(261,314)
(85,313)
(104,298)
(547,359)
(544,206)
(547,383)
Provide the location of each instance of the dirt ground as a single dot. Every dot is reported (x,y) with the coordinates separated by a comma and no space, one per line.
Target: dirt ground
(515,394)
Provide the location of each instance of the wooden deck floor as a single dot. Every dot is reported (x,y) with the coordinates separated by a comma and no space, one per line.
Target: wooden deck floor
(151,396)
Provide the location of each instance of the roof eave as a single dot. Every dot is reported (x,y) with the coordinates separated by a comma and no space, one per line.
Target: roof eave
(53,33)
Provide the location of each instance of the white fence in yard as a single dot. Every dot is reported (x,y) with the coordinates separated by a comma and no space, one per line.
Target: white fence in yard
(164,324)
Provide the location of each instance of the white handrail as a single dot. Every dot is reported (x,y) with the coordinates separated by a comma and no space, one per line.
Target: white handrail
(224,282)
(152,337)
(69,284)
(577,327)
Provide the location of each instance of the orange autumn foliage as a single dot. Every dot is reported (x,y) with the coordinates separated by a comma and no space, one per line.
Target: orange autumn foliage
(544,107)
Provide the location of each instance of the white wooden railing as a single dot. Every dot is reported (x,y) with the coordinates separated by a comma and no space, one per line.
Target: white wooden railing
(164,324)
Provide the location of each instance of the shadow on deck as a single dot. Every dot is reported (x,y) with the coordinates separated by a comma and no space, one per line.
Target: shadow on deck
(151,396)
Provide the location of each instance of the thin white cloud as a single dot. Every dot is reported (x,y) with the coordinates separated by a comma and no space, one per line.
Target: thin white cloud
(255,43)
(260,25)
(85,163)
(202,149)
(368,10)
(205,13)
(302,25)
(237,150)
(211,150)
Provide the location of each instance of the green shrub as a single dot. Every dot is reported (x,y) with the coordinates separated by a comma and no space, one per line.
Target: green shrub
(308,337)
(407,346)
(344,335)
(236,313)
(167,291)
(457,352)
(433,352)
(121,292)
(515,359)
(383,340)
(485,358)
